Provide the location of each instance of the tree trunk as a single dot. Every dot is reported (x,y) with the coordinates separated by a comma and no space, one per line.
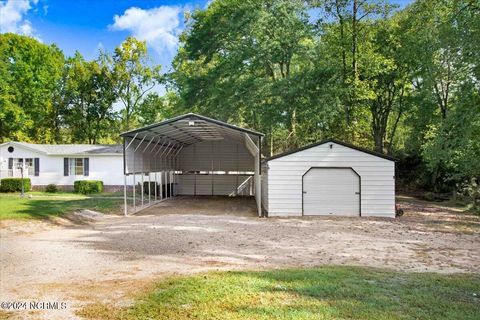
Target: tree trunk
(271,141)
(354,40)
(293,126)
(342,42)
(378,142)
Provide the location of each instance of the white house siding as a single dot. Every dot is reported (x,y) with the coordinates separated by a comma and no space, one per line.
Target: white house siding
(285,179)
(19,152)
(107,168)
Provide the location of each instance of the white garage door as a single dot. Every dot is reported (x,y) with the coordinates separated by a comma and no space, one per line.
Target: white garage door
(331,191)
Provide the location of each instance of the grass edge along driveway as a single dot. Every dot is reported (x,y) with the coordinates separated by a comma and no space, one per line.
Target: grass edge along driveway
(38,205)
(331,292)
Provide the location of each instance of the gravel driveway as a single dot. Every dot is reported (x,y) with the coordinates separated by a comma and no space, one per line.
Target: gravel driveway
(114,258)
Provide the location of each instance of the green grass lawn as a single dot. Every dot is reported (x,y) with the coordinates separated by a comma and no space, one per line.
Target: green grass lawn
(321,293)
(43,205)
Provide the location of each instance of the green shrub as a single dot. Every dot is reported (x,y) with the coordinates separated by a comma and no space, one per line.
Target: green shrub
(51,188)
(88,186)
(153,185)
(15,184)
(469,191)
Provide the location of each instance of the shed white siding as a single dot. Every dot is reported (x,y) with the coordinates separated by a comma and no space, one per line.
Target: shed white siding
(285,173)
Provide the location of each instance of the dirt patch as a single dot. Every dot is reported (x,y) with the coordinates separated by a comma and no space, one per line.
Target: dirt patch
(437,216)
(85,216)
(204,205)
(110,259)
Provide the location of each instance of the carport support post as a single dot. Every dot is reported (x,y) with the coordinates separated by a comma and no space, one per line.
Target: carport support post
(125,194)
(161,185)
(134,194)
(172,174)
(161,179)
(166,167)
(156,169)
(174,168)
(254,150)
(169,179)
(143,176)
(149,183)
(155,186)
(166,185)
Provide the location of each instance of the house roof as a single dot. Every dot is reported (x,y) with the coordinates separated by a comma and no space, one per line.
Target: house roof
(377,154)
(188,129)
(71,149)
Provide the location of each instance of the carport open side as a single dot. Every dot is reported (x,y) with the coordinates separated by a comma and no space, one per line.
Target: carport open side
(191,155)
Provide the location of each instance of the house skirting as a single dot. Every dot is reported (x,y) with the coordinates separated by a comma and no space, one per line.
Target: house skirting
(106,188)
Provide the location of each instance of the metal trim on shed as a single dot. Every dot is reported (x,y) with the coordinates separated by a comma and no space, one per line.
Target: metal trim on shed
(348,145)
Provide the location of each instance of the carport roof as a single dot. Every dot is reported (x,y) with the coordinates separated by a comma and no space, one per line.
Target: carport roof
(189,129)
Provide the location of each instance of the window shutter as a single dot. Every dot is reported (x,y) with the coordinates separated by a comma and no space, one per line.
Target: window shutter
(37,166)
(65,167)
(10,163)
(86,166)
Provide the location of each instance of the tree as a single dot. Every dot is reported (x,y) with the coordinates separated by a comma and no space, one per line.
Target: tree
(155,108)
(90,91)
(348,36)
(389,80)
(248,57)
(29,72)
(134,78)
(445,75)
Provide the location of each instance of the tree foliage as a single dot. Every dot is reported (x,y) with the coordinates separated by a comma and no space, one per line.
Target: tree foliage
(90,91)
(401,81)
(47,98)
(29,72)
(134,77)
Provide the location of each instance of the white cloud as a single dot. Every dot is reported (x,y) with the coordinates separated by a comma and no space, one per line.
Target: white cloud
(208,3)
(12,16)
(159,26)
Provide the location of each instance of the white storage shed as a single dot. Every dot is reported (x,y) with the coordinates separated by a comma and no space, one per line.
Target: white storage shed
(329,178)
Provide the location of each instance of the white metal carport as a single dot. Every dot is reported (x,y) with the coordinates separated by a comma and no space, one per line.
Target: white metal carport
(191,155)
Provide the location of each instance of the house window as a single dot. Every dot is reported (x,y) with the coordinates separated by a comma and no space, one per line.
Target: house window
(29,166)
(76,166)
(17,163)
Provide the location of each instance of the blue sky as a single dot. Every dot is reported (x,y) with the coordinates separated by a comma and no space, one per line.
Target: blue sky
(88,25)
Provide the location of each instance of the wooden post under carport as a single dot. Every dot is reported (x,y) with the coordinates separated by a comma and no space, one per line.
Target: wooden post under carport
(255,151)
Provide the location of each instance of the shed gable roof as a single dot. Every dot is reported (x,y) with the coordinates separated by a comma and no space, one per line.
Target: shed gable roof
(351,146)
